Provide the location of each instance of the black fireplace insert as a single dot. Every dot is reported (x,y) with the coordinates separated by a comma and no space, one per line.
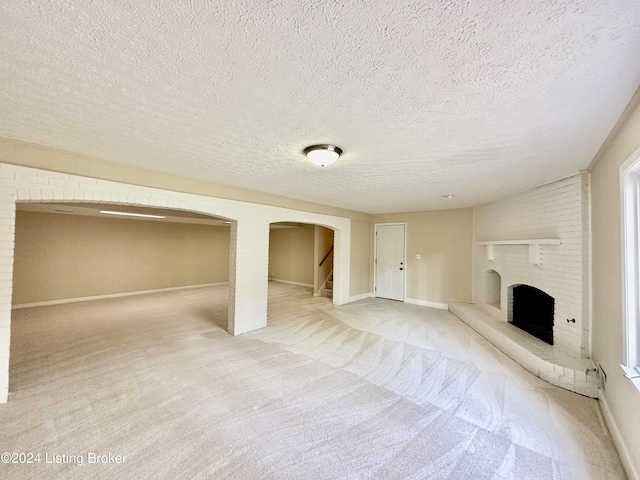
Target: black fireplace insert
(532,311)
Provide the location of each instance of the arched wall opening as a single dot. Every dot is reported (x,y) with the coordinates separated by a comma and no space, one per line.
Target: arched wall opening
(492,288)
(302,254)
(332,244)
(67,252)
(248,239)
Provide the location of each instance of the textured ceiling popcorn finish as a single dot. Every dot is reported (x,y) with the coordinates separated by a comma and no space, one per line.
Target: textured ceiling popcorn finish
(475,98)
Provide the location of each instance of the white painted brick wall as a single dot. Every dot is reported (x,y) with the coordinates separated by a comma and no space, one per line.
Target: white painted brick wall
(248,282)
(7,229)
(558,210)
(248,267)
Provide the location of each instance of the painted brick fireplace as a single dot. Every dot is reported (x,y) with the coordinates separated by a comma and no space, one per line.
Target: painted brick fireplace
(539,239)
(554,212)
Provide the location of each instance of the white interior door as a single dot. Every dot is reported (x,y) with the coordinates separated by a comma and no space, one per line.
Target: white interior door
(390,261)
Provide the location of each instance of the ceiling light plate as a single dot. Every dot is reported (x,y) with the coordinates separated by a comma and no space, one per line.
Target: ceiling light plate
(323,154)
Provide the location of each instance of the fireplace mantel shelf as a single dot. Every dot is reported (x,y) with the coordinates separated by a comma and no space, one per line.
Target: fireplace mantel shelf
(535,254)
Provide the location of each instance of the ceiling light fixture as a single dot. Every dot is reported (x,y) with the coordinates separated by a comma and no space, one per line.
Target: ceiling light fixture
(322,155)
(448,196)
(131,214)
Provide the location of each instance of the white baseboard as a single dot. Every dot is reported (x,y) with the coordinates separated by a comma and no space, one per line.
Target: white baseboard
(362,296)
(425,303)
(414,301)
(111,295)
(623,452)
(310,285)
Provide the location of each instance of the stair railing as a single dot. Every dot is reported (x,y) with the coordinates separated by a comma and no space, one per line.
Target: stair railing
(326,256)
(324,284)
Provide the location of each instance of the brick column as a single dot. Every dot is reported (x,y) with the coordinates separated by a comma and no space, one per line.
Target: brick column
(7,231)
(248,275)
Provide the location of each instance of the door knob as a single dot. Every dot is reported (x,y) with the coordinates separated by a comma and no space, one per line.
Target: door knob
(400,268)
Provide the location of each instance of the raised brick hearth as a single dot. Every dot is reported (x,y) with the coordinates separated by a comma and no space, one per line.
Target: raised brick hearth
(539,238)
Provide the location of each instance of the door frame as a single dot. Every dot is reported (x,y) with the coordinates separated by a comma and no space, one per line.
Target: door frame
(375,258)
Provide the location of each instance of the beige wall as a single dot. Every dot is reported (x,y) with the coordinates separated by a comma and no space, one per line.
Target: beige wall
(61,256)
(621,397)
(444,239)
(291,254)
(361,264)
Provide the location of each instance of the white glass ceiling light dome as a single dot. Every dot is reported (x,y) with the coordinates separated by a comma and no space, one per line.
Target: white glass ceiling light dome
(322,155)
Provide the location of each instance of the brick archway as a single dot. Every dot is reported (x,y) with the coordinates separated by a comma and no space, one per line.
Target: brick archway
(249,239)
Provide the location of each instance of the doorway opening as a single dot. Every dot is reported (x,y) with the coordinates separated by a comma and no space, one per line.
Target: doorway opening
(70,252)
(302,254)
(109,266)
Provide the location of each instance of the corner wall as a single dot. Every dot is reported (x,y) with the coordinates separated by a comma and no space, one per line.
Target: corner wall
(444,241)
(620,399)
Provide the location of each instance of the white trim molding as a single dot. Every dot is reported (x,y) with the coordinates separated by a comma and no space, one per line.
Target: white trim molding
(111,295)
(618,441)
(289,282)
(426,303)
(362,296)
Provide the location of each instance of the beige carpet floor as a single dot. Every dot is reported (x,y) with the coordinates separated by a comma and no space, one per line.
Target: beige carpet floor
(371,390)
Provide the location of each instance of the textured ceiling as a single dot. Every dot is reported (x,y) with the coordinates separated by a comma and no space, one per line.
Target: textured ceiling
(473,98)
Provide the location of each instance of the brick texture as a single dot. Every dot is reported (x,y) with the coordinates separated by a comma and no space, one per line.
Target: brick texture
(249,248)
(556,211)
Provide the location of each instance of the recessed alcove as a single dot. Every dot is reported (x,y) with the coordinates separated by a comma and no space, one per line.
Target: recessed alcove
(492,288)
